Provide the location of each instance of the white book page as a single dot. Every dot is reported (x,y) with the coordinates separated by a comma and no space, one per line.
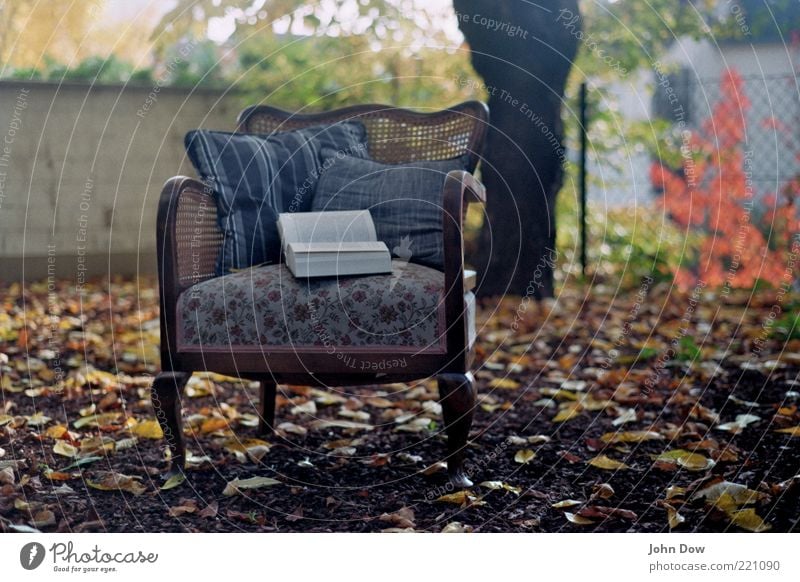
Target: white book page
(327,227)
(336,247)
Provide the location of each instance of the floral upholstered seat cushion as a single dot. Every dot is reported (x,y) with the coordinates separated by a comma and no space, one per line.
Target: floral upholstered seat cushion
(267,308)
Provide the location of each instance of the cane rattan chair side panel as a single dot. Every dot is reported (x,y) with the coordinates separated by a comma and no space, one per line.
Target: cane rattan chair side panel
(198,238)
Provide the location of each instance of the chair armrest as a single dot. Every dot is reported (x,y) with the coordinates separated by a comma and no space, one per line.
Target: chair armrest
(460,188)
(188,243)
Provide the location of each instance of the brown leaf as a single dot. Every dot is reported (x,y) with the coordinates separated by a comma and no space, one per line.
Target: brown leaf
(112,481)
(186,506)
(210,510)
(403,518)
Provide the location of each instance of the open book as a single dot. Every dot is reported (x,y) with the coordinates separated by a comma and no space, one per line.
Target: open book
(336,243)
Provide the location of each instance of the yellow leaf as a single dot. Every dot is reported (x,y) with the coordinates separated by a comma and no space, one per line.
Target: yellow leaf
(504,383)
(568,412)
(749,520)
(607,463)
(495,485)
(57,431)
(673,517)
(173,481)
(464,497)
(688,460)
(524,456)
(566,503)
(97,420)
(793,431)
(635,436)
(149,429)
(65,449)
(675,491)
(96,445)
(213,424)
(738,494)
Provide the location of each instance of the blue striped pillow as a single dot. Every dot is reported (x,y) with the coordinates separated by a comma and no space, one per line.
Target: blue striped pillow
(255,177)
(405,201)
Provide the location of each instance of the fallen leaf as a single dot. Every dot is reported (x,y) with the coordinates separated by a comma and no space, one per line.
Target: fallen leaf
(568,412)
(464,498)
(739,494)
(438,467)
(793,431)
(213,424)
(43,518)
(7,476)
(738,425)
(112,481)
(748,519)
(309,407)
(636,436)
(504,383)
(97,420)
(457,527)
(210,510)
(607,463)
(347,424)
(628,415)
(566,503)
(688,460)
(524,456)
(403,517)
(65,449)
(234,487)
(674,518)
(148,429)
(37,419)
(57,431)
(497,485)
(607,512)
(292,428)
(173,481)
(254,449)
(602,491)
(675,491)
(187,506)
(577,519)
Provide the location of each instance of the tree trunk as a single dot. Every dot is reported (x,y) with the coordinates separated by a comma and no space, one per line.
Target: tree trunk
(524,53)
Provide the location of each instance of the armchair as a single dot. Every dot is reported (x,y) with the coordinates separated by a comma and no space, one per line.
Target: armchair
(189,242)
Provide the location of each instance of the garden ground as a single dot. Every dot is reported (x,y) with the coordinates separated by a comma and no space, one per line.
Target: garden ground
(645,411)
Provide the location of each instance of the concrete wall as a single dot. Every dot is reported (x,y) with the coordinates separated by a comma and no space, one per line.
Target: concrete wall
(81,169)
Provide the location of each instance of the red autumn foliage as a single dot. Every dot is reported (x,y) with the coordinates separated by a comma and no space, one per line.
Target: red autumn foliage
(743,237)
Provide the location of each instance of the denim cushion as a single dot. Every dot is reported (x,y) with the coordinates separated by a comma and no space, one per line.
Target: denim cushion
(255,177)
(405,201)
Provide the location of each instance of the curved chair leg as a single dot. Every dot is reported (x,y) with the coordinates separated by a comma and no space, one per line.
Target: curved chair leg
(266,422)
(166,395)
(457,396)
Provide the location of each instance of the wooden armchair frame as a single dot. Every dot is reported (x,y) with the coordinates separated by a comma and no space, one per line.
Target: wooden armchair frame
(189,241)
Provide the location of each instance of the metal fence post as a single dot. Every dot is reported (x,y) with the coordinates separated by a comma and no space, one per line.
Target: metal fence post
(582,177)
